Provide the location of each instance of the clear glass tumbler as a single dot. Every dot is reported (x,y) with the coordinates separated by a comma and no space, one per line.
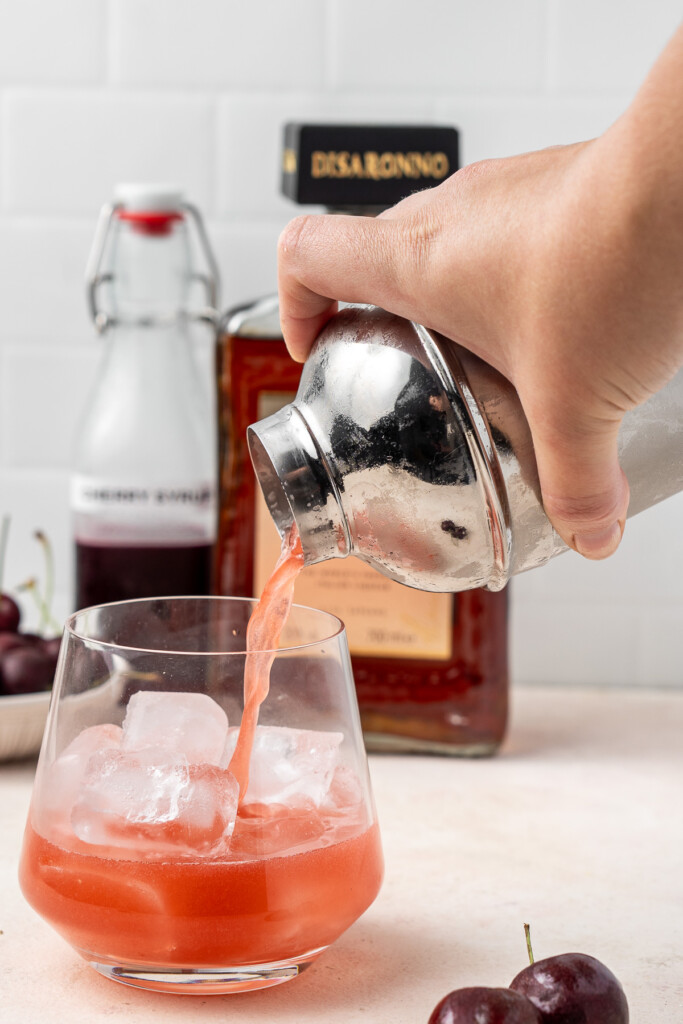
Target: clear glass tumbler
(139,848)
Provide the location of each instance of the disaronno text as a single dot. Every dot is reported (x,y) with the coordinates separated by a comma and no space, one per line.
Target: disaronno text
(378,166)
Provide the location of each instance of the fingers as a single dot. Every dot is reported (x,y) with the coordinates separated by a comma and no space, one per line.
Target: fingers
(585,492)
(325,258)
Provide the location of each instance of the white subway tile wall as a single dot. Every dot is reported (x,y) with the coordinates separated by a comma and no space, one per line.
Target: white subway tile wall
(196,91)
(487,48)
(65,150)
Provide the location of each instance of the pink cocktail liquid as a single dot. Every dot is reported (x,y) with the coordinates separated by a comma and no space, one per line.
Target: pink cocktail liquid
(234,910)
(291,882)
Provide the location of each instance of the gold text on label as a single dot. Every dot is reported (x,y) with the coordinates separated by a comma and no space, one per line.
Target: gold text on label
(378,166)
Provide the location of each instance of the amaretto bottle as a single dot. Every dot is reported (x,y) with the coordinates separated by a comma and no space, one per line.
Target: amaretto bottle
(143,492)
(431,670)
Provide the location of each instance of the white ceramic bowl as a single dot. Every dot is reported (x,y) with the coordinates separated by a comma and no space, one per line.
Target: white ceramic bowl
(22,722)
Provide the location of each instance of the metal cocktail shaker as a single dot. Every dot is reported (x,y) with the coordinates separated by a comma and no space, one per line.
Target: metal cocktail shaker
(407,451)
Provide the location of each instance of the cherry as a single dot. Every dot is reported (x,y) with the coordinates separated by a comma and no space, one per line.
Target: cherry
(573,988)
(25,669)
(51,647)
(32,639)
(10,615)
(10,640)
(27,673)
(27,660)
(485,1006)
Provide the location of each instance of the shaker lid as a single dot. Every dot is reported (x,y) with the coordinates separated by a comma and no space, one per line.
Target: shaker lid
(152,207)
(365,166)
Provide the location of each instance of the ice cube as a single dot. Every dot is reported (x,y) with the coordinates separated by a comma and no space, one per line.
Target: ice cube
(230,744)
(207,819)
(192,725)
(289,766)
(344,808)
(63,778)
(149,803)
(345,789)
(265,830)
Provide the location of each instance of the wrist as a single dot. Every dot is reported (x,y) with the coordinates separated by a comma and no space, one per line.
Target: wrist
(647,145)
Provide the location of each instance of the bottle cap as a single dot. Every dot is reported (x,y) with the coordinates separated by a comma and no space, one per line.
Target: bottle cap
(151,208)
(364,166)
(137,197)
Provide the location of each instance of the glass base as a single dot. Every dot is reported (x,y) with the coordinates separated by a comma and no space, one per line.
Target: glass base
(202,981)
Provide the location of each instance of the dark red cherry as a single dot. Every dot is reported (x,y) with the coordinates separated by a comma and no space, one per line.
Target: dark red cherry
(573,988)
(485,1006)
(25,669)
(10,640)
(32,639)
(51,646)
(10,614)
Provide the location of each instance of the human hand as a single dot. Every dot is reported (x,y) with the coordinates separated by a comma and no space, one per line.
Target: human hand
(561,268)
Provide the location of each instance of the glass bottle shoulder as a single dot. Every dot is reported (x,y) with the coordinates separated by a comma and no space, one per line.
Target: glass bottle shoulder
(257,319)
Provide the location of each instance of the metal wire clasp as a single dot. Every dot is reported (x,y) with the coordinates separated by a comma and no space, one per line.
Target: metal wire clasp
(95,276)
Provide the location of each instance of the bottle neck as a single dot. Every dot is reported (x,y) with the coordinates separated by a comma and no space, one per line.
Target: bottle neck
(150,274)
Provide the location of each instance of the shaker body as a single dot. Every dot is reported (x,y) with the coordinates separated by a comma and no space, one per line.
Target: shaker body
(414,455)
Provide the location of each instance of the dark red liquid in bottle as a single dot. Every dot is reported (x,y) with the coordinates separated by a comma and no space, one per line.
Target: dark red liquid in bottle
(111,573)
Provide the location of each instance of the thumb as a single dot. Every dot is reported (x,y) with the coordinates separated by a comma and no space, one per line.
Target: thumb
(325,256)
(585,492)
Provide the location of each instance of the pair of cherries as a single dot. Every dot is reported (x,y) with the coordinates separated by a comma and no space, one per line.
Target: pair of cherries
(27,661)
(571,988)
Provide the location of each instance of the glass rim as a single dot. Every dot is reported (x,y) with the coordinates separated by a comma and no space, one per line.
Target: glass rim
(69,626)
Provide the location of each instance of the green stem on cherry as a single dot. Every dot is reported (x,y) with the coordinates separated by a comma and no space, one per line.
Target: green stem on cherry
(31,585)
(527,933)
(46,610)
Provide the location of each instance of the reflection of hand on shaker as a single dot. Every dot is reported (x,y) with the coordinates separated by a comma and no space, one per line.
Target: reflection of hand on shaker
(562,268)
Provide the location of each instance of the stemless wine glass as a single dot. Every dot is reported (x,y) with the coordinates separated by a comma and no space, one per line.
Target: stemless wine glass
(137,849)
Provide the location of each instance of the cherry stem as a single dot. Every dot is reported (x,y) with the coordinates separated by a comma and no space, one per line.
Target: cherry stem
(527,933)
(46,610)
(45,618)
(4,536)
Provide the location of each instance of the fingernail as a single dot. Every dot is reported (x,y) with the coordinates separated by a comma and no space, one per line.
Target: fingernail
(600,543)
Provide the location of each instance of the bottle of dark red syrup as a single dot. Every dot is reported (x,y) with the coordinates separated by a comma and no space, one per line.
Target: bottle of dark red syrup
(143,491)
(431,670)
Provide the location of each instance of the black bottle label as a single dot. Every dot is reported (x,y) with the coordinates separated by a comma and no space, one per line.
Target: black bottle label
(370,166)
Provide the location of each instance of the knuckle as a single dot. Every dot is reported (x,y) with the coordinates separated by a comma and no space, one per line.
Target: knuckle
(414,255)
(424,232)
(473,173)
(589,511)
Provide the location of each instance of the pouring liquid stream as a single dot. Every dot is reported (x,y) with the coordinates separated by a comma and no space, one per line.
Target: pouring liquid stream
(263,637)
